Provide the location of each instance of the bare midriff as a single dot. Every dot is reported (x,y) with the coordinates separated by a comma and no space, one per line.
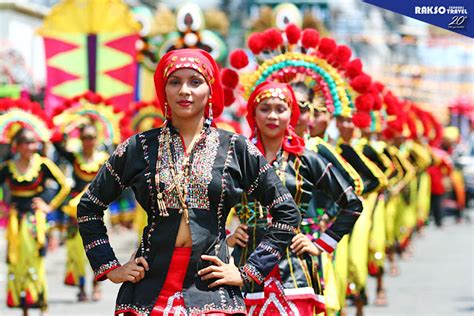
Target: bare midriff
(184,235)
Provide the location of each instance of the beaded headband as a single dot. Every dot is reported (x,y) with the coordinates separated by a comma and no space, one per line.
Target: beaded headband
(190,63)
(280,93)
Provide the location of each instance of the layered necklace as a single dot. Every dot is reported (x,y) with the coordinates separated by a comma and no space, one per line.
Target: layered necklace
(179,178)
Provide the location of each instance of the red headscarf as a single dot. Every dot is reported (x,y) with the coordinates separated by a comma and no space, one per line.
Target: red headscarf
(195,59)
(292,143)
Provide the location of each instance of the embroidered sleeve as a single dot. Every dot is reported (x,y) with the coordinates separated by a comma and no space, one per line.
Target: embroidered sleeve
(259,178)
(329,180)
(255,183)
(100,274)
(380,159)
(113,177)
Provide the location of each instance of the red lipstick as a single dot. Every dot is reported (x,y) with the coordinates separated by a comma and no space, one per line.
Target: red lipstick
(185,102)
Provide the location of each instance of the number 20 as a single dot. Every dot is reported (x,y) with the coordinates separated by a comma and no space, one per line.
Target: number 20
(458,20)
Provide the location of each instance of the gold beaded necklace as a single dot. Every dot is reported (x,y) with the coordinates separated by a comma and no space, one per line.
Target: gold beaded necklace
(180,180)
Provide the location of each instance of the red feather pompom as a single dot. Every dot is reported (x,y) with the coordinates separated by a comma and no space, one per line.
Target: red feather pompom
(364,102)
(396,124)
(361,83)
(361,119)
(379,86)
(293,33)
(272,38)
(230,78)
(388,133)
(377,102)
(229,97)
(256,43)
(238,59)
(343,54)
(392,104)
(354,68)
(327,46)
(309,38)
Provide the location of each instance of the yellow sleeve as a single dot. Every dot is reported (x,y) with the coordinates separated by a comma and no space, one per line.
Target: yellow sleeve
(400,171)
(410,170)
(60,179)
(383,181)
(423,156)
(358,183)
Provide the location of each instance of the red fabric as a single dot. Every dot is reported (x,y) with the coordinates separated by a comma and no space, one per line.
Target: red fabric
(174,282)
(292,143)
(441,168)
(195,59)
(305,304)
(436,175)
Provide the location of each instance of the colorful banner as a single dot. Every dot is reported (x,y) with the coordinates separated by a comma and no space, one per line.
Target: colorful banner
(90,49)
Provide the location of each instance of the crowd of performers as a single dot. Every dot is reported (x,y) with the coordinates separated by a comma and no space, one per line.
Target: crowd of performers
(331,185)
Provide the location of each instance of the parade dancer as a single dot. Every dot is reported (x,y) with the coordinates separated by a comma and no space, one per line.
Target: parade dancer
(26,175)
(272,114)
(74,120)
(187,175)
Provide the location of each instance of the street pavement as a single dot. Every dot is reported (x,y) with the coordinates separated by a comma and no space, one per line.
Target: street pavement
(436,281)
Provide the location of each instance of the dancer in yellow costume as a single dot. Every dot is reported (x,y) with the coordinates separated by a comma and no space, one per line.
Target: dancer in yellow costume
(26,175)
(76,120)
(86,164)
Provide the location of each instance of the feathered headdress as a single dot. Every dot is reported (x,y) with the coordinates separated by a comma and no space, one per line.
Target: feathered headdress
(112,125)
(297,55)
(145,116)
(22,113)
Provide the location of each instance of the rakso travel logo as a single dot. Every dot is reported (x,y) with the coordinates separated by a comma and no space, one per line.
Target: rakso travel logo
(451,15)
(458,14)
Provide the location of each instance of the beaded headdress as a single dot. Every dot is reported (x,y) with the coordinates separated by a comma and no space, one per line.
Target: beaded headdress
(22,113)
(197,60)
(112,126)
(299,56)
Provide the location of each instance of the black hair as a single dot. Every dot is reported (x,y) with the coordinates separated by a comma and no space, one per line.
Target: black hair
(86,126)
(21,136)
(301,86)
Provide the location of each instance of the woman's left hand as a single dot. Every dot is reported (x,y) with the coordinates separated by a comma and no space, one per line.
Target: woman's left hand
(301,244)
(40,205)
(225,273)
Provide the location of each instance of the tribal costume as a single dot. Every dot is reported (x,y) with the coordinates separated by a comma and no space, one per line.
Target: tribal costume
(304,173)
(300,56)
(26,230)
(222,167)
(83,173)
(82,110)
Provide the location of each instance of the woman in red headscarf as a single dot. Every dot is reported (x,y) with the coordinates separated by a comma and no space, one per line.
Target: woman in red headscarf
(293,287)
(186,175)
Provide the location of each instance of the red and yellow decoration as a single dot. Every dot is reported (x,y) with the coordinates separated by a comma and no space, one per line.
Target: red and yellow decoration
(90,45)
